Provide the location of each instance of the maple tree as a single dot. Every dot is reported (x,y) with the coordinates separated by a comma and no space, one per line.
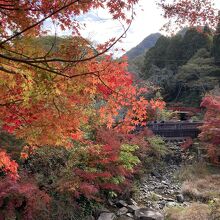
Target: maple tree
(51,94)
(183,13)
(8,166)
(47,93)
(210,134)
(23,19)
(49,111)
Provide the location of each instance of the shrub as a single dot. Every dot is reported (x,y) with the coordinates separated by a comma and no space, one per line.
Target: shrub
(7,166)
(46,163)
(20,200)
(98,171)
(158,147)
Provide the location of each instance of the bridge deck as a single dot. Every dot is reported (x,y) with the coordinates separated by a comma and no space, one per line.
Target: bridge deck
(176,129)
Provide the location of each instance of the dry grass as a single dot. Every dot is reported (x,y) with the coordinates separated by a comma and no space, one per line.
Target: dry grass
(196,211)
(192,171)
(203,189)
(201,183)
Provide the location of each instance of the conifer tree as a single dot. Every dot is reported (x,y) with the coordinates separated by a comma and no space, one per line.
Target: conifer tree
(216,44)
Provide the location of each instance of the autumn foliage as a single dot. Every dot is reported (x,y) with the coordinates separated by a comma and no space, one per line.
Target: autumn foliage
(96,169)
(210,134)
(74,106)
(50,110)
(48,91)
(7,166)
(182,13)
(20,199)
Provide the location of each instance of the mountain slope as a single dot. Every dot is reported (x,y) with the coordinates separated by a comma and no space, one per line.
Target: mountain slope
(141,48)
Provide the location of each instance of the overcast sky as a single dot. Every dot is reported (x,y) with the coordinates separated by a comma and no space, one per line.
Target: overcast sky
(148,20)
(100,27)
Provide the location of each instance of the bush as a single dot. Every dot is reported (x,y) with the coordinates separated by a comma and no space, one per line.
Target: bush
(46,164)
(22,200)
(99,171)
(202,189)
(158,147)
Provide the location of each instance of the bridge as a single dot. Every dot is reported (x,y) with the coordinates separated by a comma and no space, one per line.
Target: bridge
(179,129)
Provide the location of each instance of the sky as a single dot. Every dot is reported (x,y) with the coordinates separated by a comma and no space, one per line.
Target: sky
(148,20)
(99,27)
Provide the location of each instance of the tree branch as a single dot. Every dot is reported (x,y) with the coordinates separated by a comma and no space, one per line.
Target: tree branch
(39,22)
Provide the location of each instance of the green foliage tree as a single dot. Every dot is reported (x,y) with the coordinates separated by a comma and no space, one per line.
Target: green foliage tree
(216,45)
(155,56)
(196,77)
(192,41)
(174,52)
(183,65)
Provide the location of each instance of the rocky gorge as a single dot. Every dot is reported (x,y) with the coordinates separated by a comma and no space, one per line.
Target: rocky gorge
(156,191)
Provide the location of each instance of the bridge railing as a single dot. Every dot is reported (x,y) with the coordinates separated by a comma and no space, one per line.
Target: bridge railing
(176,129)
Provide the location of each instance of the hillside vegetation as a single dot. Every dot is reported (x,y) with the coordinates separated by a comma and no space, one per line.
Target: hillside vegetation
(136,54)
(185,66)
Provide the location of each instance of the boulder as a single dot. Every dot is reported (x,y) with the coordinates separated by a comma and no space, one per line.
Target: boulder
(180,198)
(122,211)
(107,216)
(132,208)
(148,214)
(98,211)
(121,203)
(171,204)
(132,202)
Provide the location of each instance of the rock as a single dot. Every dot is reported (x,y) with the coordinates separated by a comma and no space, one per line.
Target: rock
(107,216)
(132,208)
(180,198)
(164,182)
(162,202)
(148,214)
(99,211)
(171,204)
(121,203)
(169,199)
(156,174)
(131,202)
(111,203)
(122,211)
(123,217)
(130,215)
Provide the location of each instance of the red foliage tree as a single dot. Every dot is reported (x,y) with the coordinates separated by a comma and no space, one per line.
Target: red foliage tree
(22,200)
(190,13)
(46,92)
(18,198)
(210,134)
(97,170)
(7,166)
